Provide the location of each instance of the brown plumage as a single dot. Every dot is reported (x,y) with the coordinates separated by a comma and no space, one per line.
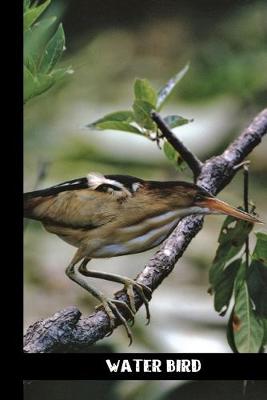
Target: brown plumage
(112,215)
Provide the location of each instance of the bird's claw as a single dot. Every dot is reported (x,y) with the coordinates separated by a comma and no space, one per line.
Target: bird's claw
(141,289)
(111,308)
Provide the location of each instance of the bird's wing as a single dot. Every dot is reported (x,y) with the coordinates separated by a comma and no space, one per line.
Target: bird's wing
(84,202)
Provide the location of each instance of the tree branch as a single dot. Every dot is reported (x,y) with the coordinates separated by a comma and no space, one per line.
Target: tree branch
(68,331)
(191,159)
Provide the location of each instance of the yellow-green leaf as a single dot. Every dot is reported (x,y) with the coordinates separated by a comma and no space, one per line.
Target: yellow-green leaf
(176,120)
(142,113)
(33,13)
(170,151)
(144,91)
(116,125)
(53,51)
(124,116)
(36,38)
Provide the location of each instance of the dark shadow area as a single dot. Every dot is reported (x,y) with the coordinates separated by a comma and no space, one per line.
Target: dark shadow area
(220,390)
(108,390)
(69,390)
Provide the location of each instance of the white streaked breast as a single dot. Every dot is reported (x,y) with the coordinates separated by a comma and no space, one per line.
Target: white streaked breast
(152,237)
(138,244)
(158,220)
(110,250)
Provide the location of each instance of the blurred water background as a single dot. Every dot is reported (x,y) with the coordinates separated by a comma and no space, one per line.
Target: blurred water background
(109,44)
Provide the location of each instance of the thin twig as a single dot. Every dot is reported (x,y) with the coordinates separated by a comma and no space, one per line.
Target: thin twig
(239,166)
(68,331)
(191,159)
(246,180)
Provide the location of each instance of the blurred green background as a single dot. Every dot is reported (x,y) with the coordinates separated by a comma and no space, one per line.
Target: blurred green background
(139,390)
(109,44)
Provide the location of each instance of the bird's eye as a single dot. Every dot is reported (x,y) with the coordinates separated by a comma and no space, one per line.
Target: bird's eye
(107,188)
(198,197)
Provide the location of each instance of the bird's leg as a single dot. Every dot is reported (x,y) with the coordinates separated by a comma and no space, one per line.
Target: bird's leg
(84,271)
(110,305)
(130,284)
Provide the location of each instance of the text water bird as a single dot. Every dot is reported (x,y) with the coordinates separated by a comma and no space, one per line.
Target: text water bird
(113,215)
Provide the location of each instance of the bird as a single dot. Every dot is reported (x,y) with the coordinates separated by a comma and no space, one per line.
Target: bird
(113,215)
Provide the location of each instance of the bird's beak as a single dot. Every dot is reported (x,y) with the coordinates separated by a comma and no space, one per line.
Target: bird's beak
(220,207)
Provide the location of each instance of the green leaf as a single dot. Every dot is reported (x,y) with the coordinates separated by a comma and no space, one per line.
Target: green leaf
(248,330)
(240,279)
(31,65)
(125,116)
(144,91)
(36,38)
(166,90)
(257,286)
(53,51)
(173,155)
(119,121)
(224,287)
(176,120)
(26,5)
(142,114)
(260,251)
(33,13)
(29,84)
(170,151)
(40,83)
(36,85)
(117,126)
(231,239)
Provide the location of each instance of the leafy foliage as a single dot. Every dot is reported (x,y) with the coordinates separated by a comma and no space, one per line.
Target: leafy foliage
(176,120)
(248,329)
(230,278)
(172,155)
(31,14)
(144,91)
(231,240)
(44,44)
(257,276)
(139,120)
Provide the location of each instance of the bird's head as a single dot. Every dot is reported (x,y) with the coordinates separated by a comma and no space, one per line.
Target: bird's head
(209,204)
(184,196)
(193,199)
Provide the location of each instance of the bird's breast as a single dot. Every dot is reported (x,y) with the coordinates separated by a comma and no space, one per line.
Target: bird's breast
(139,236)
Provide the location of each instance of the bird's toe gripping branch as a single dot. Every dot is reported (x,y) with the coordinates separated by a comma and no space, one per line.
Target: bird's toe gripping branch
(143,291)
(114,307)
(111,307)
(118,309)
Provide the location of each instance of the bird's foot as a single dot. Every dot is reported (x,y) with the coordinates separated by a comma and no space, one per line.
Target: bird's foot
(144,292)
(111,307)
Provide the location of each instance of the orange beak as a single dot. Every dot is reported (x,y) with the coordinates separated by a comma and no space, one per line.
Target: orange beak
(220,207)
